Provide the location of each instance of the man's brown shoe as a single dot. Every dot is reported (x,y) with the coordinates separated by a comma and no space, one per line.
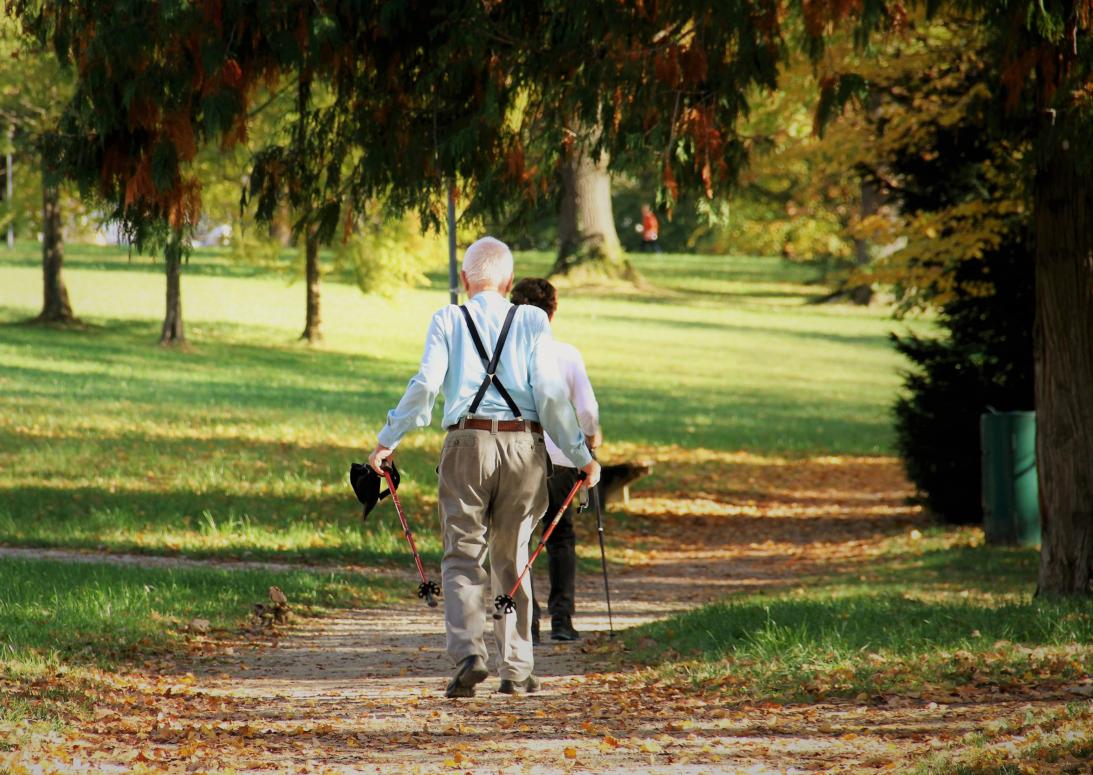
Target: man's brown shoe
(527,686)
(472,671)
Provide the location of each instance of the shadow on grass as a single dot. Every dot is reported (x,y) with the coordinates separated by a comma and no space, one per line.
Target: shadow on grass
(119,362)
(878,340)
(108,615)
(210,525)
(901,628)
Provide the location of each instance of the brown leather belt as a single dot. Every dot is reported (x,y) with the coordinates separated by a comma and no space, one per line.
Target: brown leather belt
(502,425)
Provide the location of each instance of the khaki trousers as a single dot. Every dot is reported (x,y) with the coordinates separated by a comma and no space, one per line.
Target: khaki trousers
(492,492)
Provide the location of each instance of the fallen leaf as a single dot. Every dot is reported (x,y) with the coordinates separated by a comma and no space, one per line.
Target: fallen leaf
(507,722)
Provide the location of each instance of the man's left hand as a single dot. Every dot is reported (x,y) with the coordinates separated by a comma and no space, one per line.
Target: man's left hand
(378,456)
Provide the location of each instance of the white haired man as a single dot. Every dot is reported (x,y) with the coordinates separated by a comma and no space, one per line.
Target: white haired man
(495,364)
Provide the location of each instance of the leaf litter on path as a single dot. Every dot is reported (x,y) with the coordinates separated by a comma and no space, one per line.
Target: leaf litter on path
(362,691)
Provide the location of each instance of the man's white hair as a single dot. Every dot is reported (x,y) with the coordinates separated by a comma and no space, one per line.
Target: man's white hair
(488,262)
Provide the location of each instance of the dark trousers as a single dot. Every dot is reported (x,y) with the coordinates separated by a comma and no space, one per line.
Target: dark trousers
(562,546)
(649,244)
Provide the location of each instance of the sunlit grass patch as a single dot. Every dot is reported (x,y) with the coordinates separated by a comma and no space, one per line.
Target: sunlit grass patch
(955,621)
(107,440)
(62,624)
(223,534)
(112,615)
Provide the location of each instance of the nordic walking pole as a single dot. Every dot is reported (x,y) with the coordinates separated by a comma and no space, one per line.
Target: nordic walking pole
(505,604)
(428,589)
(603,556)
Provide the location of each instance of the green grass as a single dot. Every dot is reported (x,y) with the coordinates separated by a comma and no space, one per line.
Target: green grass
(72,616)
(928,617)
(108,440)
(106,614)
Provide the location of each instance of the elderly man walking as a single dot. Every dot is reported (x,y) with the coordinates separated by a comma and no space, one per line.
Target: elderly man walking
(495,365)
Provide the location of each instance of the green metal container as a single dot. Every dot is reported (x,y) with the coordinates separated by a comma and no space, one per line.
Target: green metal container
(1011,493)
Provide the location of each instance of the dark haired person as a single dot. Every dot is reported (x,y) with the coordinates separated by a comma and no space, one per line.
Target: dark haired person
(562,546)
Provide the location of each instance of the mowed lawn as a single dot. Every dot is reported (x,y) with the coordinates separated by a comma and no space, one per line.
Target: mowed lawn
(239,445)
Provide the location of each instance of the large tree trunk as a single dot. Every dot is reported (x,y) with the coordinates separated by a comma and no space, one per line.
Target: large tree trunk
(1064,372)
(871,200)
(313,327)
(586,224)
(870,204)
(172,320)
(56,307)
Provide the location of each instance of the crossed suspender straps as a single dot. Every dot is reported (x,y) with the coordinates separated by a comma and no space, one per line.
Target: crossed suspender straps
(490,364)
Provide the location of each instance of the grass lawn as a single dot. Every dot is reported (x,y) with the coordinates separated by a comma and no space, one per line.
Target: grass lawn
(240,445)
(63,622)
(927,618)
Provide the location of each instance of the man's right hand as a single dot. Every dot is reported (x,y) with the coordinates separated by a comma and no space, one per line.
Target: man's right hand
(593,471)
(377,458)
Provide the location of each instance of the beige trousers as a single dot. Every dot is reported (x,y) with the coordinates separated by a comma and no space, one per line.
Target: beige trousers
(492,492)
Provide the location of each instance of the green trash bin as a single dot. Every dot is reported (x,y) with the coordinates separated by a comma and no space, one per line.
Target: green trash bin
(1011,492)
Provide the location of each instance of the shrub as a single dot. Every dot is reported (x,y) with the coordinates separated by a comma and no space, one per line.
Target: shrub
(985,362)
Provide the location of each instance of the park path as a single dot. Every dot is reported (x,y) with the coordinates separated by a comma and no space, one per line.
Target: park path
(362,692)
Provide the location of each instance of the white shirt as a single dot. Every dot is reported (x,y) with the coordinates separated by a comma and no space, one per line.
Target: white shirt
(528,369)
(578,390)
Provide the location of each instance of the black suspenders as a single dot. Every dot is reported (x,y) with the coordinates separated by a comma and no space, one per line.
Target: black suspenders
(490,364)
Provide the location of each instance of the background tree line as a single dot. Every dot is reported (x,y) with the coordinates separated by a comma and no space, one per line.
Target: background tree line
(517,104)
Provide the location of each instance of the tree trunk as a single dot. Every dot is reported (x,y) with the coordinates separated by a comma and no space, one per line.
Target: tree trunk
(586,223)
(56,307)
(280,227)
(871,200)
(870,204)
(313,328)
(172,320)
(1064,372)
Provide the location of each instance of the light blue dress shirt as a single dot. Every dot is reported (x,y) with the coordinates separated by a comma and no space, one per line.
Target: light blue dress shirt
(528,369)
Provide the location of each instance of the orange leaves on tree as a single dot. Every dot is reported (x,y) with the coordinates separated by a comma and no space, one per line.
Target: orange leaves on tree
(821,15)
(232,74)
(237,134)
(666,65)
(212,12)
(700,125)
(143,114)
(515,168)
(184,203)
(180,132)
(140,184)
(669,180)
(1015,74)
(693,64)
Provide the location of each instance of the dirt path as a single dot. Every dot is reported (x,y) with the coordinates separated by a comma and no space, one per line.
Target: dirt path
(363,692)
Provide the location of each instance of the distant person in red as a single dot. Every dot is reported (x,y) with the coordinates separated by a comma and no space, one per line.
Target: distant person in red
(648,229)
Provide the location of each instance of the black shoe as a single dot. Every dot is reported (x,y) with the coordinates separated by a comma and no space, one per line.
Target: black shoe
(528,686)
(535,639)
(472,670)
(561,628)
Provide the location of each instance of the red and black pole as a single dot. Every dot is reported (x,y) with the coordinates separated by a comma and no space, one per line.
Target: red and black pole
(505,604)
(428,589)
